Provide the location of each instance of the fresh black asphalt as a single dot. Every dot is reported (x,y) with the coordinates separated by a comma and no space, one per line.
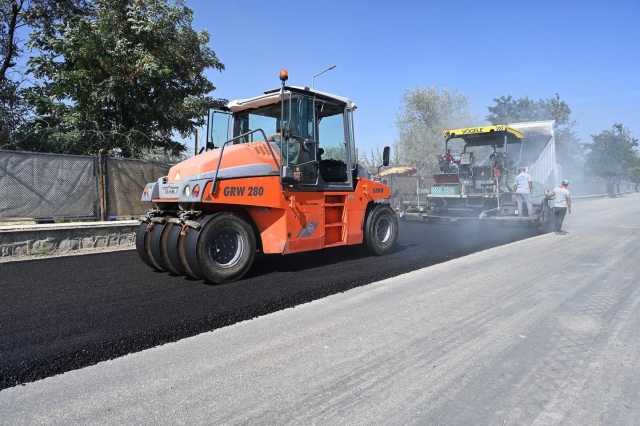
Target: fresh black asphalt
(65,313)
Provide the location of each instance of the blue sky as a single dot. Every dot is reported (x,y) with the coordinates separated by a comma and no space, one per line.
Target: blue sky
(588,52)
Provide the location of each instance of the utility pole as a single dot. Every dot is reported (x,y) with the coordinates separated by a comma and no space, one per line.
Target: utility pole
(103,193)
(196,151)
(321,72)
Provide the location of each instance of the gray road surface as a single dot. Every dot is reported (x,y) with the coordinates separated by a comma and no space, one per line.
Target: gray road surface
(543,331)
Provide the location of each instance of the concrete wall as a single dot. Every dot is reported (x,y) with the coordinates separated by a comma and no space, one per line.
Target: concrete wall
(59,238)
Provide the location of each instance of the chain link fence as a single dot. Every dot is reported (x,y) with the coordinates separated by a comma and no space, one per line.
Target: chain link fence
(34,186)
(124,181)
(47,187)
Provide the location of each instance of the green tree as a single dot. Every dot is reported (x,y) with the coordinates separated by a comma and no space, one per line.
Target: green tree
(372,160)
(121,75)
(569,148)
(612,155)
(634,172)
(12,105)
(509,110)
(48,17)
(11,19)
(424,114)
(19,127)
(13,111)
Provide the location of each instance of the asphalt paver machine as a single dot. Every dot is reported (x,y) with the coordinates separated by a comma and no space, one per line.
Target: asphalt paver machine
(477,184)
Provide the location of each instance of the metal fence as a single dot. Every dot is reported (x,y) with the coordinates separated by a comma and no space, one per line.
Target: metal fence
(124,181)
(41,187)
(44,187)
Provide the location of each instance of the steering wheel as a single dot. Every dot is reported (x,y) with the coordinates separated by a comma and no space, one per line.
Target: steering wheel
(306,144)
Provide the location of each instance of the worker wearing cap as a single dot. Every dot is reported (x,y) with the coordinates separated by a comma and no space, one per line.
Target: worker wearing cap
(523,186)
(562,199)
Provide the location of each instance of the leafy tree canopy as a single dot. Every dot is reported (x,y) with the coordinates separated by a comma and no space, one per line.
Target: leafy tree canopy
(10,20)
(118,75)
(424,114)
(372,160)
(13,110)
(509,110)
(612,154)
(569,148)
(13,107)
(634,172)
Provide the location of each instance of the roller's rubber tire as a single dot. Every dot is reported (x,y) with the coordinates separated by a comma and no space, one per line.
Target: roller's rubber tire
(159,251)
(143,245)
(190,246)
(175,252)
(154,245)
(381,230)
(226,248)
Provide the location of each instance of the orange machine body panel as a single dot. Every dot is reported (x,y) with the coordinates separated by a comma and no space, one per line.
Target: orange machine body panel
(294,221)
(251,153)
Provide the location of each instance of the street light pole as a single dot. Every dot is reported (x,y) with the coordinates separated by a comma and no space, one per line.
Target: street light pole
(321,72)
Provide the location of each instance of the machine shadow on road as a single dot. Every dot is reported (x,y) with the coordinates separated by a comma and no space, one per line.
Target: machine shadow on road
(267,264)
(425,243)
